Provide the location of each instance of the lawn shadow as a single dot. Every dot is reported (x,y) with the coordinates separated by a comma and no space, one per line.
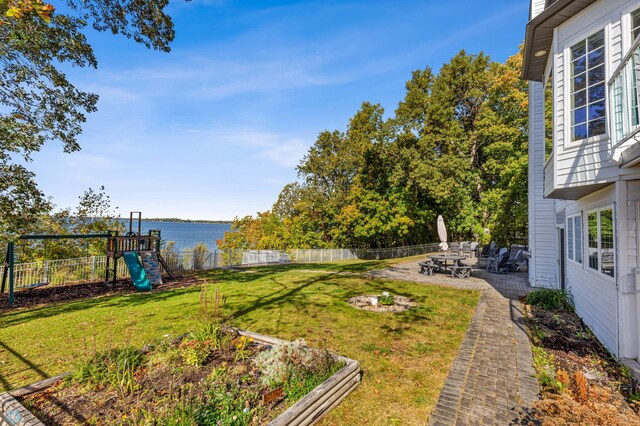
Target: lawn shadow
(30,366)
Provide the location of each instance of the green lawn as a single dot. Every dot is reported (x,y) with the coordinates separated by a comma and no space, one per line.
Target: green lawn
(405,357)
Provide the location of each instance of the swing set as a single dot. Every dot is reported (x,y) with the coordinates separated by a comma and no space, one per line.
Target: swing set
(131,247)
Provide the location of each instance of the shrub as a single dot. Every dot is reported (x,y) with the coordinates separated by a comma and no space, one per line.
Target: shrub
(291,360)
(551,299)
(115,368)
(385,299)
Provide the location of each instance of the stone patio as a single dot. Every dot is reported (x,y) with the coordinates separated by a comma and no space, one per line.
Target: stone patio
(493,374)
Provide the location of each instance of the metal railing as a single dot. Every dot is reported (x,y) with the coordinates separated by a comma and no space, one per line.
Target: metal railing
(92,269)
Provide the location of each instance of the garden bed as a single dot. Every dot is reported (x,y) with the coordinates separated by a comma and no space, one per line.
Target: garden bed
(382,303)
(580,381)
(216,375)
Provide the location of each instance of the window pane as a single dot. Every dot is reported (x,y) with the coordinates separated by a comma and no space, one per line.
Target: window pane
(596,75)
(597,127)
(596,40)
(578,49)
(592,252)
(580,98)
(570,238)
(579,82)
(596,92)
(580,115)
(596,57)
(579,132)
(607,260)
(578,231)
(579,65)
(635,18)
(596,110)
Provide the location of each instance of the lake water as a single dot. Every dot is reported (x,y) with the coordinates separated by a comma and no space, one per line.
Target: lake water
(185,234)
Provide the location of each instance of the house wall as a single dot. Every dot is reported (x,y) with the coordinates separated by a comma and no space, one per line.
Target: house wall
(537,6)
(629,268)
(595,294)
(543,265)
(585,162)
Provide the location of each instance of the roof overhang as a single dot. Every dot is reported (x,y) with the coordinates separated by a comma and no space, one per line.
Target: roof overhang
(630,156)
(539,35)
(576,192)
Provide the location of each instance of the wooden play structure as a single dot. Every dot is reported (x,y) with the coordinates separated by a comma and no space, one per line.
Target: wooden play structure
(141,254)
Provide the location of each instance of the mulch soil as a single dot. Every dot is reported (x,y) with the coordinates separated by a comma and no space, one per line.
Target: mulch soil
(46,295)
(575,351)
(574,347)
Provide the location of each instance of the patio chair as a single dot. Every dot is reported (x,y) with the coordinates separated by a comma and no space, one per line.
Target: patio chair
(513,265)
(474,248)
(466,249)
(485,252)
(454,248)
(499,264)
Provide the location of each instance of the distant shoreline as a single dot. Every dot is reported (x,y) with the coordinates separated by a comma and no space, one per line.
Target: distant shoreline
(173,219)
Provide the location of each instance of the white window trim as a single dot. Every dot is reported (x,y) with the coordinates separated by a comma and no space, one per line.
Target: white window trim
(568,142)
(575,250)
(585,258)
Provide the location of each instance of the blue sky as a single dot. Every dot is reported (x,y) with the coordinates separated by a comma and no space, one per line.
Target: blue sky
(215,128)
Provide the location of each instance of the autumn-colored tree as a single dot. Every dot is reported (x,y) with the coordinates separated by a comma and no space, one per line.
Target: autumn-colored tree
(456,146)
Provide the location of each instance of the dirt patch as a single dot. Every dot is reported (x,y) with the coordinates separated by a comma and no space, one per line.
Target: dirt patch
(400,304)
(580,381)
(42,296)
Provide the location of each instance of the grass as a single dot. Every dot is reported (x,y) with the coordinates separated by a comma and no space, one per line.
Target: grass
(405,357)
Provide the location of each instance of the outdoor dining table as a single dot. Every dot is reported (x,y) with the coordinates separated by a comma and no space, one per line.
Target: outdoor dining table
(444,259)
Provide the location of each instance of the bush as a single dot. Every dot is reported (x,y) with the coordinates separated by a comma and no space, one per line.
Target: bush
(292,361)
(115,368)
(551,299)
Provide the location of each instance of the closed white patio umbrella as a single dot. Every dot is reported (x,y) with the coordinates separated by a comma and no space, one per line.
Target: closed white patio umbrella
(442,233)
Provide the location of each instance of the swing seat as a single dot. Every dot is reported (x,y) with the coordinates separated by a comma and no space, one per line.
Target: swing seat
(37,285)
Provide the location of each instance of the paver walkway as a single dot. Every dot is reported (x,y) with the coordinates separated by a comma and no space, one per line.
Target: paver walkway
(493,374)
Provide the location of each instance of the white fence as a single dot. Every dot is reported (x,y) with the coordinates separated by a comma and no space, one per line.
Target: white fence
(89,269)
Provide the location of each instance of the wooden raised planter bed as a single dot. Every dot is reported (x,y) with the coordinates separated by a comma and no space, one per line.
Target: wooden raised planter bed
(307,411)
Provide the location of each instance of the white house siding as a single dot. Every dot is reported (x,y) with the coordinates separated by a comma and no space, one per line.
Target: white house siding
(543,266)
(627,282)
(595,295)
(537,6)
(584,163)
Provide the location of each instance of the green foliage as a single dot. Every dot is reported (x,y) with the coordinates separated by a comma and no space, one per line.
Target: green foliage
(551,299)
(544,363)
(93,215)
(299,386)
(38,103)
(385,299)
(456,146)
(291,361)
(194,352)
(115,368)
(224,404)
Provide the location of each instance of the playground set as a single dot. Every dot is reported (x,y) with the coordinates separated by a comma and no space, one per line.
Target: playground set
(141,254)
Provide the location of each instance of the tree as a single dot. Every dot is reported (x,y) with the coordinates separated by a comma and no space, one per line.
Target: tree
(37,101)
(456,146)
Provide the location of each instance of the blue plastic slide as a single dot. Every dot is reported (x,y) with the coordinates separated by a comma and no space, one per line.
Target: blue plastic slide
(138,276)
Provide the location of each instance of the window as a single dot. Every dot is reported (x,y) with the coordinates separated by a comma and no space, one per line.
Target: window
(635,24)
(601,241)
(574,238)
(635,31)
(588,109)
